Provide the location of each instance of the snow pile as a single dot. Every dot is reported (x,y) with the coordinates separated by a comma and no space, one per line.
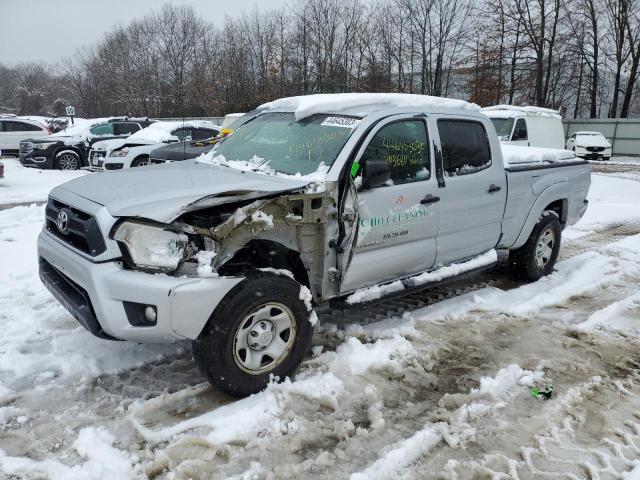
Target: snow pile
(510,111)
(307,105)
(482,402)
(374,292)
(80,128)
(205,257)
(94,444)
(261,414)
(22,184)
(516,155)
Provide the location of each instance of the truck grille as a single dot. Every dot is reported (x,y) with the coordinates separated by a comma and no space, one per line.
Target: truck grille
(74,227)
(26,147)
(595,149)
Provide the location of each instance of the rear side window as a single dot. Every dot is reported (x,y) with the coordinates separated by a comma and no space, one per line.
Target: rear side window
(102,129)
(203,133)
(404,146)
(126,128)
(183,134)
(465,147)
(520,130)
(10,126)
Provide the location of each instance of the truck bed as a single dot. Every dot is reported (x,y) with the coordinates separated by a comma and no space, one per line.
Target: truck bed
(533,175)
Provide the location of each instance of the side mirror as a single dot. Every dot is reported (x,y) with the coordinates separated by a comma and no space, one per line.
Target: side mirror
(172,139)
(375,172)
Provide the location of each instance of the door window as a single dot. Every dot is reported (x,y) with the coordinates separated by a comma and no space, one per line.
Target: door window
(182,133)
(126,128)
(520,130)
(20,127)
(102,129)
(465,147)
(405,147)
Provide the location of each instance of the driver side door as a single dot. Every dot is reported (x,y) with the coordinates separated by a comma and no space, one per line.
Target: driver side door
(397,221)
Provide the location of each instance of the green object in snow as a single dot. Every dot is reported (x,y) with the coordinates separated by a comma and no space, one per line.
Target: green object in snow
(544,392)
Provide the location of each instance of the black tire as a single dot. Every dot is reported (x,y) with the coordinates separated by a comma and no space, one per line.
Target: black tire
(140,161)
(68,160)
(215,351)
(525,262)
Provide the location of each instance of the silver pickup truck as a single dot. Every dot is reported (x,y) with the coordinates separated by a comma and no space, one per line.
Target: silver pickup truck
(338,198)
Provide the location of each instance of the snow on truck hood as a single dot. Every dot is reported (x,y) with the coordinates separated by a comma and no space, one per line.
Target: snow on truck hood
(307,105)
(164,192)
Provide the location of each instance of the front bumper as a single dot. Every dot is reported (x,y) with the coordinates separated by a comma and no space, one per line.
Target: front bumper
(96,294)
(37,159)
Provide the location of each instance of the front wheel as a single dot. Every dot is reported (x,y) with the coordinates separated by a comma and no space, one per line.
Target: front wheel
(261,328)
(67,160)
(537,257)
(141,161)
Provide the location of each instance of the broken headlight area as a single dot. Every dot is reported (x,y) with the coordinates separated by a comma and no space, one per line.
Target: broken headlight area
(150,247)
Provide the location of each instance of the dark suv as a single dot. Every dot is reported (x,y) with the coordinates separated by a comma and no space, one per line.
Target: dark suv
(69,149)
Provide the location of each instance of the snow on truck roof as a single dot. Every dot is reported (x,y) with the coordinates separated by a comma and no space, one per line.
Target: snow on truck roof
(509,111)
(307,105)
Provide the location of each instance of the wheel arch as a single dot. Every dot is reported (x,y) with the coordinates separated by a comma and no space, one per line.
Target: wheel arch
(263,253)
(553,198)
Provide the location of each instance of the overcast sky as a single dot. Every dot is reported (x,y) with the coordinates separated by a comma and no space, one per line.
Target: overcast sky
(48,30)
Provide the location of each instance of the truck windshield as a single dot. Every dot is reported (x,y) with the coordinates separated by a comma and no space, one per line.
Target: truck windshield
(286,145)
(503,126)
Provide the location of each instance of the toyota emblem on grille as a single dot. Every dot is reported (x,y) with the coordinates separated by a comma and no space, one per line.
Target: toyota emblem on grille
(62,222)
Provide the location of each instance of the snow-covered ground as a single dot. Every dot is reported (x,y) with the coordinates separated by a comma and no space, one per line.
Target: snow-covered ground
(21,184)
(442,391)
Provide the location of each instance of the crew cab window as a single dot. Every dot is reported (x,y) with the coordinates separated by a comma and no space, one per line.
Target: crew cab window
(404,146)
(102,129)
(20,127)
(520,130)
(125,128)
(465,147)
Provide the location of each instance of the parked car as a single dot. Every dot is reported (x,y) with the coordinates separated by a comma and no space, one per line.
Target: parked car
(527,126)
(134,151)
(68,149)
(176,152)
(589,145)
(15,129)
(330,197)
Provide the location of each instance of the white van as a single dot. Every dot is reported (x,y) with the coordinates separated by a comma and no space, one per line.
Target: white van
(527,126)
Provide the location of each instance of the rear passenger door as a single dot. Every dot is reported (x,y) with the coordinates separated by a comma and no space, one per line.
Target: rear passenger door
(472,191)
(398,221)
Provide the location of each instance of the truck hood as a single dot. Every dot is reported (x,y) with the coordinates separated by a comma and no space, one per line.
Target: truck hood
(164,192)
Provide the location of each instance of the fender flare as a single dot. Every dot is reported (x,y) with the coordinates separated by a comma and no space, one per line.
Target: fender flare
(552,193)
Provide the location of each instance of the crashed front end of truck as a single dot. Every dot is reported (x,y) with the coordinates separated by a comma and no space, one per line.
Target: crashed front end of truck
(284,232)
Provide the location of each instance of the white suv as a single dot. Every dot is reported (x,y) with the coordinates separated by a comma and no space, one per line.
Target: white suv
(15,129)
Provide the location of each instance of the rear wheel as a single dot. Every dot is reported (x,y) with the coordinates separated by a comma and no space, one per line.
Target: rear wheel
(140,161)
(261,328)
(67,160)
(537,257)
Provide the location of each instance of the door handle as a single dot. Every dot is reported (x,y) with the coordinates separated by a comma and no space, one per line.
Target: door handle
(429,199)
(493,188)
